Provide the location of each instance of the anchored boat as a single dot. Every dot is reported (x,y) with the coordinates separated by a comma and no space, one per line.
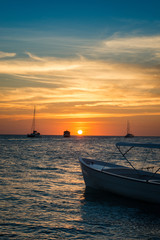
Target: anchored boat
(126,181)
(34,133)
(66,133)
(129,134)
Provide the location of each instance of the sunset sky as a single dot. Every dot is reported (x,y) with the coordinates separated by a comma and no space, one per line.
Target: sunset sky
(91,65)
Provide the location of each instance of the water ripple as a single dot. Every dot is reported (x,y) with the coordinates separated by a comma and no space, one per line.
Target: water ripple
(43,195)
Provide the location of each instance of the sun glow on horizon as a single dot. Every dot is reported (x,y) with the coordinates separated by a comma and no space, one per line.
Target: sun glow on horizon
(80,132)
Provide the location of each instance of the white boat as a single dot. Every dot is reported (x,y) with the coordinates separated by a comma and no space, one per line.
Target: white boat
(121,180)
(34,133)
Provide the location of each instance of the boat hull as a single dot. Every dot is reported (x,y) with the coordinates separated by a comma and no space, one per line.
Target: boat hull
(66,134)
(124,186)
(33,136)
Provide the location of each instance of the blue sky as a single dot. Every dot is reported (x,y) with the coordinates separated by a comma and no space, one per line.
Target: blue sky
(74,15)
(98,58)
(15,11)
(34,25)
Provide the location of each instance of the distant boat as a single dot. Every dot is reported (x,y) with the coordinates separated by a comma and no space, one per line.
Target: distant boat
(33,133)
(128,135)
(66,133)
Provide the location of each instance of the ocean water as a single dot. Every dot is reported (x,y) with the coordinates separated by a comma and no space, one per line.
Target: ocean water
(43,195)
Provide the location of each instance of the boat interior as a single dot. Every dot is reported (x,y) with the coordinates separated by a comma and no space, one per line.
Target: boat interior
(123,171)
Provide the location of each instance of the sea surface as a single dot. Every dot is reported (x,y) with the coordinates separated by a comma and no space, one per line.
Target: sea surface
(43,195)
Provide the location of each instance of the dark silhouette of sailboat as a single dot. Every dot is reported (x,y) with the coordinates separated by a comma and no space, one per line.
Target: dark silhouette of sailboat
(128,135)
(34,133)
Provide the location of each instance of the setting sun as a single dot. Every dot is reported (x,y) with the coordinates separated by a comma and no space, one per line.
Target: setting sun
(80,132)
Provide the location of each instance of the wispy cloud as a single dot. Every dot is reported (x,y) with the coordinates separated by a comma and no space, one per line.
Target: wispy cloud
(34,57)
(43,65)
(133,43)
(130,49)
(6,54)
(117,87)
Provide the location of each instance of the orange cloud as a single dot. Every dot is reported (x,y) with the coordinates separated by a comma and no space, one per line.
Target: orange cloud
(82,88)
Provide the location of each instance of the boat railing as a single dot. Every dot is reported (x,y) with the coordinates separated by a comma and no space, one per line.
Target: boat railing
(154,181)
(134,145)
(152,176)
(139,172)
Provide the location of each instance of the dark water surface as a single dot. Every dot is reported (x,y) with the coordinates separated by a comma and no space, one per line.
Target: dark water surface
(43,195)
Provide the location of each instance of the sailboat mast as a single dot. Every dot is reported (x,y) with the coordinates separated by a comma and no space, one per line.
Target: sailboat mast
(34,118)
(128,127)
(33,123)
